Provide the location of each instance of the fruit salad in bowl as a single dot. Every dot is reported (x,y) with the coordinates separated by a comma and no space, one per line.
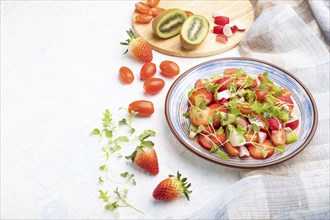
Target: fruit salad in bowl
(241,115)
(241,112)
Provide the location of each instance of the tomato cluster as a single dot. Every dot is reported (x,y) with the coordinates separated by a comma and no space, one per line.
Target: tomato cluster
(151,85)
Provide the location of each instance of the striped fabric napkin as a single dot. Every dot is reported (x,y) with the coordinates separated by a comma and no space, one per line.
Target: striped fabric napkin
(287,34)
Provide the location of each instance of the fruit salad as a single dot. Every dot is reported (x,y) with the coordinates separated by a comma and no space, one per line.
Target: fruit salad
(237,114)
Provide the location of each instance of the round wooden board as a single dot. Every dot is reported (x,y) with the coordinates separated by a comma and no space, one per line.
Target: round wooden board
(240,11)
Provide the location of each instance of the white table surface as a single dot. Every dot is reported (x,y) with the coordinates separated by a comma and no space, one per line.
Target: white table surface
(59,71)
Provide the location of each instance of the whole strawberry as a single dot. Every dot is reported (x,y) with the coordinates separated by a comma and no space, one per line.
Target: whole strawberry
(171,188)
(138,47)
(146,159)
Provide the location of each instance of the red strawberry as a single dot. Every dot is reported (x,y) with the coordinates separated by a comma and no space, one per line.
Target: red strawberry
(146,159)
(201,94)
(138,47)
(171,188)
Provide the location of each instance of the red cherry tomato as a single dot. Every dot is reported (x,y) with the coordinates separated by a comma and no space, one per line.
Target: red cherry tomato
(143,107)
(153,85)
(278,137)
(142,8)
(156,11)
(189,13)
(153,3)
(126,75)
(143,18)
(147,71)
(260,94)
(169,68)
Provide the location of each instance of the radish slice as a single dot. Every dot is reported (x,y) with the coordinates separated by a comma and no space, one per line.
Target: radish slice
(221,20)
(236,140)
(218,29)
(240,26)
(242,122)
(217,13)
(234,28)
(243,152)
(227,30)
(224,95)
(222,38)
(261,137)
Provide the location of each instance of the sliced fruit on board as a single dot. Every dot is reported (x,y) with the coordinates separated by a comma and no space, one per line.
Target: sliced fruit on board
(221,20)
(194,31)
(169,23)
(221,38)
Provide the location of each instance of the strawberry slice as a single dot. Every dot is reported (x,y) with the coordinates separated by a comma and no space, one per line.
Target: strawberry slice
(200,116)
(201,94)
(171,188)
(262,152)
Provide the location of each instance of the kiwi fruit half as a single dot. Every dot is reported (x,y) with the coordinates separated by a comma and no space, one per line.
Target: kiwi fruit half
(194,31)
(169,23)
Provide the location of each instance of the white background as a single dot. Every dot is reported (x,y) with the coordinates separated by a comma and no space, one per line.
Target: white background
(59,72)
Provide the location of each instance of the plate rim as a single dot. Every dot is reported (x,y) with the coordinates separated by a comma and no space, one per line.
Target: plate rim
(224,162)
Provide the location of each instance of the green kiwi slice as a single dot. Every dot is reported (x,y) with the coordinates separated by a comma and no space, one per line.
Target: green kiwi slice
(169,23)
(194,31)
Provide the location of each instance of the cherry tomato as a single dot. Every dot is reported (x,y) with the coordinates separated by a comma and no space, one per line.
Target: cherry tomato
(156,11)
(245,109)
(143,18)
(153,3)
(231,71)
(169,68)
(189,13)
(143,107)
(126,75)
(142,8)
(260,94)
(147,71)
(278,137)
(153,85)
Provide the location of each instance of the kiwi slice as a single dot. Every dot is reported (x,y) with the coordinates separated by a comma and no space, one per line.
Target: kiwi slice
(291,137)
(227,118)
(169,23)
(194,31)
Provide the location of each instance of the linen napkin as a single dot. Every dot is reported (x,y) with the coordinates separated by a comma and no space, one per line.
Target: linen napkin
(287,35)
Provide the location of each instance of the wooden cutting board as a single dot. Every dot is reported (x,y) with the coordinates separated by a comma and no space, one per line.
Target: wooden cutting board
(241,11)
